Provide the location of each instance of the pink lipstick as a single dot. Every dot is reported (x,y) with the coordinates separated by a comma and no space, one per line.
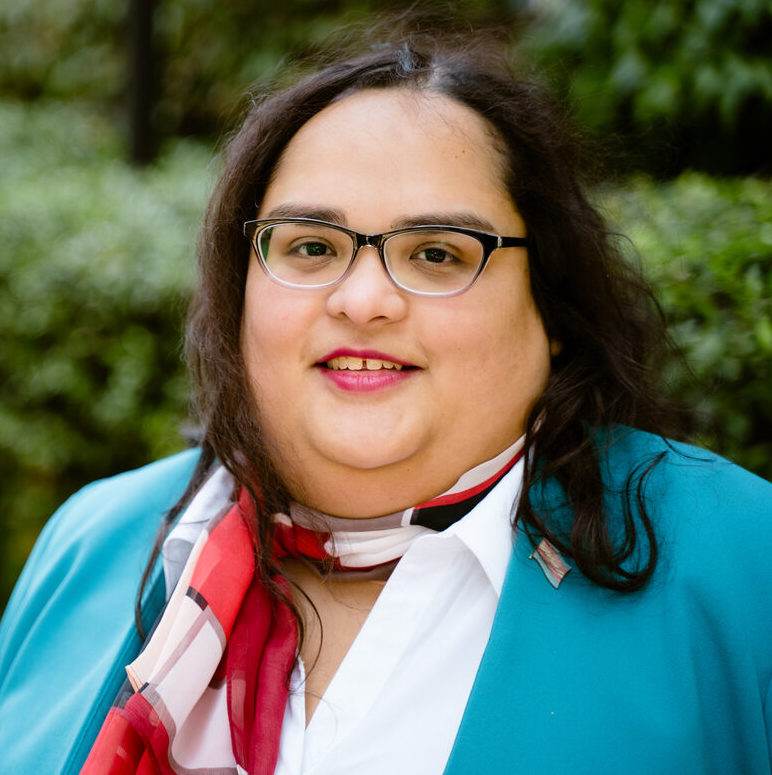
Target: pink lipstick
(364,370)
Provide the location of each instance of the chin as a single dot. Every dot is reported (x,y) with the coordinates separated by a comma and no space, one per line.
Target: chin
(368,441)
(366,458)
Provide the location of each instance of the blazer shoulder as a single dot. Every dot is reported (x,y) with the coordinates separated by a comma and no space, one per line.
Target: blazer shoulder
(712,518)
(139,491)
(73,605)
(627,453)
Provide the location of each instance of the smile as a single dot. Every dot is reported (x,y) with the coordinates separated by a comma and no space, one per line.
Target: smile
(366,371)
(349,363)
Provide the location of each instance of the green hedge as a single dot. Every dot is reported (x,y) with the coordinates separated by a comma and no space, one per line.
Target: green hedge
(97,259)
(96,262)
(688,83)
(707,248)
(206,51)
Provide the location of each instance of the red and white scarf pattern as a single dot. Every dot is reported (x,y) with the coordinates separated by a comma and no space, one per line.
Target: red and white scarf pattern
(224,647)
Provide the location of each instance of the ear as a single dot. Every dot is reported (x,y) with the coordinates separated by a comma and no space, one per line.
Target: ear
(556,347)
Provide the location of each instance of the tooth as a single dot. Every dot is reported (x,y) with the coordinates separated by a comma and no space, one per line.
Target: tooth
(351,363)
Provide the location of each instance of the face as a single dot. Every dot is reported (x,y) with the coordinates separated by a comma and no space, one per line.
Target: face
(363,442)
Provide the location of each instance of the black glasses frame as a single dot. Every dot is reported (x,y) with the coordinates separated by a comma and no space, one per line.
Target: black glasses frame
(489,243)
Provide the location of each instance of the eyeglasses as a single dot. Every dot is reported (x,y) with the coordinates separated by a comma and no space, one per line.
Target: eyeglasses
(425,260)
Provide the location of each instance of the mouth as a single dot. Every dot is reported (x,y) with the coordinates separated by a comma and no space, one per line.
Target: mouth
(345,359)
(351,363)
(364,372)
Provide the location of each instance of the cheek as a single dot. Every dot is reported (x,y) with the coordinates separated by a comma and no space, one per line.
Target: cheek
(271,319)
(264,334)
(507,355)
(265,348)
(253,333)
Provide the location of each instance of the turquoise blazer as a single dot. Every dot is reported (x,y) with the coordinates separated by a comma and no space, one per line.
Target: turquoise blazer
(673,679)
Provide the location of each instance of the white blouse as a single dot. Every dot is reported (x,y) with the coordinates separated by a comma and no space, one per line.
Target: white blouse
(396,701)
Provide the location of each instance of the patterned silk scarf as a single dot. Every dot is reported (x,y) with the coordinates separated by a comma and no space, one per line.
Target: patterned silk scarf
(224,646)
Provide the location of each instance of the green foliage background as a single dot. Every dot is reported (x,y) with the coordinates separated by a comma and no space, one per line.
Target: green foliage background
(706,246)
(97,258)
(679,80)
(688,83)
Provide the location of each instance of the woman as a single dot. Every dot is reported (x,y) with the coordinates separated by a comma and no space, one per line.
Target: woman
(426,338)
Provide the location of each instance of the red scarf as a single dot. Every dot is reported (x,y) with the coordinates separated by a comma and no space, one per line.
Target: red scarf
(224,637)
(261,636)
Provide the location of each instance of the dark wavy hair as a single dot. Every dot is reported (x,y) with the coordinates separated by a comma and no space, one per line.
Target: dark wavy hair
(591,301)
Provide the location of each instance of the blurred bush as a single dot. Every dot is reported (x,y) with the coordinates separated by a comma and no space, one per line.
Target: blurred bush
(96,260)
(707,248)
(687,83)
(205,51)
(62,49)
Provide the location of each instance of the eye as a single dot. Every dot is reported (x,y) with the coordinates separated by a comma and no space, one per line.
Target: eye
(434,255)
(311,248)
(420,256)
(440,254)
(296,242)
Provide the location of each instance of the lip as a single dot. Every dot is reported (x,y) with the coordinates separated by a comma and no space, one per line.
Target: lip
(365,381)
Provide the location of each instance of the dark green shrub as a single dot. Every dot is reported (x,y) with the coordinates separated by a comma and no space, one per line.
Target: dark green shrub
(206,52)
(707,247)
(687,82)
(96,262)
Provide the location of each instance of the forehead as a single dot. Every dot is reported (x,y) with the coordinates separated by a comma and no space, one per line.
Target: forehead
(405,111)
(393,150)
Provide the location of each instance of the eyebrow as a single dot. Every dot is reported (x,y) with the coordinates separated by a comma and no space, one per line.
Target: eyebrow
(290,210)
(465,220)
(462,220)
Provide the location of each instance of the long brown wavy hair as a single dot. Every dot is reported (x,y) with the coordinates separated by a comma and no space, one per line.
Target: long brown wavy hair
(591,301)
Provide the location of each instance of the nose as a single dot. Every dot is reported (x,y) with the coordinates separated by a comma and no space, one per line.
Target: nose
(367,295)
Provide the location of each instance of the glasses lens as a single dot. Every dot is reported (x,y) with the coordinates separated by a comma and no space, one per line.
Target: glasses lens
(433,260)
(304,253)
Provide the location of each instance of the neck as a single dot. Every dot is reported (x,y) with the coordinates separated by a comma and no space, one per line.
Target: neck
(363,505)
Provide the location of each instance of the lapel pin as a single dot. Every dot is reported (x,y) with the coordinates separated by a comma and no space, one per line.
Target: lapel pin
(550,561)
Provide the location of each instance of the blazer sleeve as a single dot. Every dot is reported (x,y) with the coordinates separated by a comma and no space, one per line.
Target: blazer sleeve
(68,628)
